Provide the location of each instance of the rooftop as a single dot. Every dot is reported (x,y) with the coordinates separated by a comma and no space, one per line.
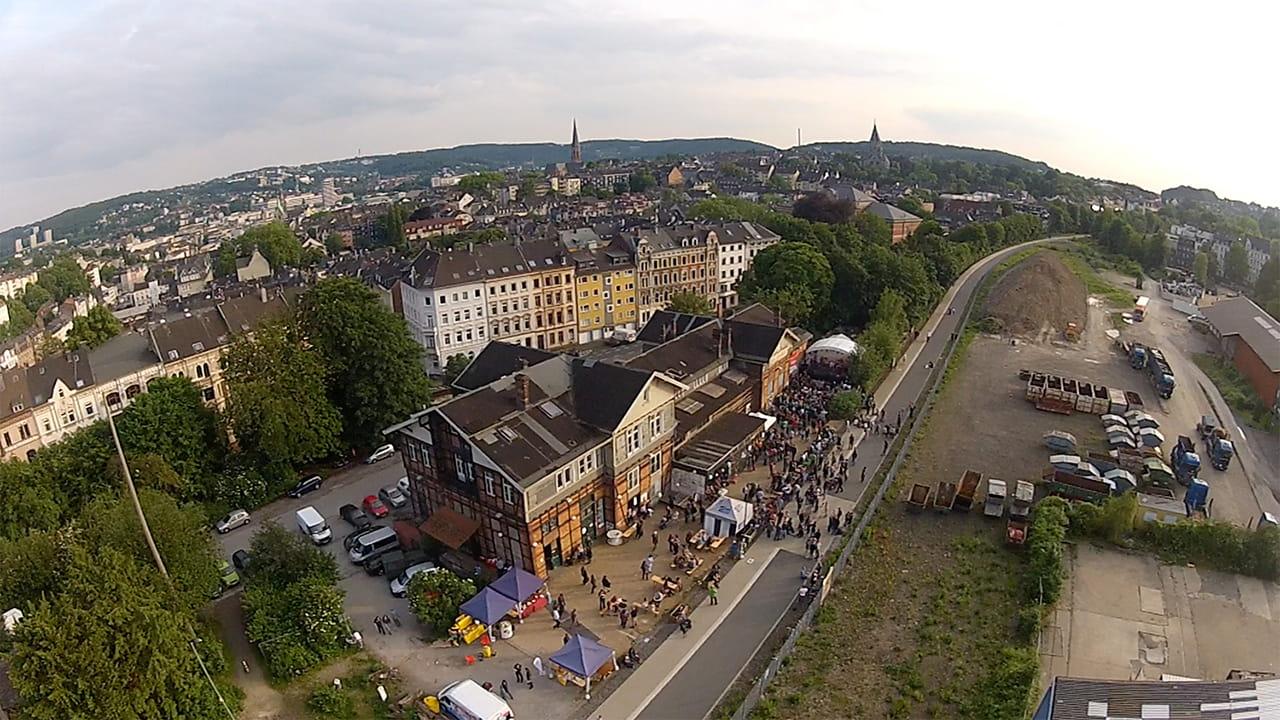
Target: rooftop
(1241,316)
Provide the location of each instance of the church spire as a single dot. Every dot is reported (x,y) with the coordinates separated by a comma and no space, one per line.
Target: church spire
(877,148)
(575,154)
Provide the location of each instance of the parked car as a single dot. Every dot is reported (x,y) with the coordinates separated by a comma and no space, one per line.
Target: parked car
(240,559)
(375,507)
(227,576)
(354,535)
(233,520)
(400,583)
(392,496)
(354,516)
(306,485)
(382,453)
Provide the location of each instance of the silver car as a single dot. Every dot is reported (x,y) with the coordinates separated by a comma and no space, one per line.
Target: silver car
(233,520)
(393,496)
(401,583)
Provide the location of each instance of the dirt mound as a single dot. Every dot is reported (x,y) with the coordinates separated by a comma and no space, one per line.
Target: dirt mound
(1037,298)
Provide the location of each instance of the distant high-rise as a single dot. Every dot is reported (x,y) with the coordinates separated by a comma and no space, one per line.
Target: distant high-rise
(575,154)
(877,148)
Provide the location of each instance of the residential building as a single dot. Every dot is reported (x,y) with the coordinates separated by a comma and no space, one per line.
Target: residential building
(533,465)
(605,280)
(739,243)
(433,227)
(674,177)
(553,277)
(13,283)
(672,260)
(57,404)
(253,267)
(19,434)
(901,223)
(192,276)
(1250,339)
(567,185)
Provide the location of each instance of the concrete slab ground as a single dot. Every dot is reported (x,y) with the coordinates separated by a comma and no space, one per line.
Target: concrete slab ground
(1127,616)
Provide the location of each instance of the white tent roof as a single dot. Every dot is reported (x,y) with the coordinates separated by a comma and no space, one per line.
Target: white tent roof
(731,509)
(836,343)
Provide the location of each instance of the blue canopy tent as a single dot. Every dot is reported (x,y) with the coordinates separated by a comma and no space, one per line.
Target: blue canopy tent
(488,607)
(584,657)
(517,584)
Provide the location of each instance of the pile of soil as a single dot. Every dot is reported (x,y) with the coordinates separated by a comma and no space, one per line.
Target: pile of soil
(1037,298)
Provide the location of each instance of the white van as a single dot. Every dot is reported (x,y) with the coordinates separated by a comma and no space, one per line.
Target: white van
(622,336)
(466,700)
(312,524)
(372,544)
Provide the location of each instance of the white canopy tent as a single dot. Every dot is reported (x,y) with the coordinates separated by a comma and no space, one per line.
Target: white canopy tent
(833,349)
(727,517)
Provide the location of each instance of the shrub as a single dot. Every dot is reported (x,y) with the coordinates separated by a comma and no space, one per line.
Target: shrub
(1219,545)
(1029,620)
(329,702)
(1005,692)
(1043,581)
(435,598)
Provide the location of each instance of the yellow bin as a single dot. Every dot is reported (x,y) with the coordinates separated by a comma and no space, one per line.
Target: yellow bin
(433,703)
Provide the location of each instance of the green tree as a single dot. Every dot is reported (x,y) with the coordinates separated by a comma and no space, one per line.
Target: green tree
(172,421)
(277,402)
(282,557)
(690,304)
(393,226)
(186,546)
(481,183)
(76,465)
(64,278)
(435,597)
(376,377)
(454,366)
(275,241)
(334,243)
(29,503)
(31,568)
(1200,268)
(1267,288)
(845,404)
(94,328)
(34,296)
(110,645)
(873,228)
(224,263)
(641,181)
(790,265)
(1214,269)
(1236,263)
(794,303)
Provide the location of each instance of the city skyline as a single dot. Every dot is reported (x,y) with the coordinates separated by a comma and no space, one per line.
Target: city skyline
(108,97)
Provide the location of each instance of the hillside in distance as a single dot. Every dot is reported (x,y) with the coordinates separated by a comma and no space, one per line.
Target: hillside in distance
(935,151)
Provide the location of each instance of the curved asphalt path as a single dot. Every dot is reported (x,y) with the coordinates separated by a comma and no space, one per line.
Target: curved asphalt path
(693,692)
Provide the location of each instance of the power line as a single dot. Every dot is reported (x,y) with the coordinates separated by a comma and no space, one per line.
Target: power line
(155,555)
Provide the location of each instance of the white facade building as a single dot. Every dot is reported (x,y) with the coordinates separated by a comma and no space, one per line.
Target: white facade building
(740,242)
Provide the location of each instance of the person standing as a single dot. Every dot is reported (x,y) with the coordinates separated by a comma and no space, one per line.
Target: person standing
(584,575)
(593,584)
(518,669)
(537,666)
(713,593)
(604,582)
(555,615)
(655,541)
(573,617)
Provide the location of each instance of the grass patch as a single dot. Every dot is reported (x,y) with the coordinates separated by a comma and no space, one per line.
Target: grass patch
(1237,391)
(357,699)
(1093,282)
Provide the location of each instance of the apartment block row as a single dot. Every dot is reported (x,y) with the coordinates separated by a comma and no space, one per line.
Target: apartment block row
(543,452)
(42,403)
(576,288)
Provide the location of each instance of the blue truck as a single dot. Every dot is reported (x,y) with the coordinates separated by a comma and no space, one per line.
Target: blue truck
(1216,443)
(1152,361)
(1197,498)
(1184,460)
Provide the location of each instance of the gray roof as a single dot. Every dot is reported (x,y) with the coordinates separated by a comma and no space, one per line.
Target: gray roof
(497,360)
(1077,699)
(745,232)
(122,355)
(1240,316)
(890,213)
(73,369)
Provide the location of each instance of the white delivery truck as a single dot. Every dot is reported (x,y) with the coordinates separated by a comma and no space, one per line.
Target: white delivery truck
(467,700)
(313,525)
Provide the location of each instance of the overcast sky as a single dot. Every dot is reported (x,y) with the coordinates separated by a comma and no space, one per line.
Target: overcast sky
(103,97)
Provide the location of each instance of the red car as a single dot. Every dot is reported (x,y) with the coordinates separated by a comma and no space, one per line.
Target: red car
(375,507)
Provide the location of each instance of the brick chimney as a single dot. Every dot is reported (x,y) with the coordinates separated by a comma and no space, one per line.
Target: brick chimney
(522,391)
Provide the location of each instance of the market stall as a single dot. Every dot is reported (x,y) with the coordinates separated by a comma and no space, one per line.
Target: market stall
(524,588)
(581,661)
(727,517)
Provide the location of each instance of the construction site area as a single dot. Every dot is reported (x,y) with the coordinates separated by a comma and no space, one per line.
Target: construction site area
(931,600)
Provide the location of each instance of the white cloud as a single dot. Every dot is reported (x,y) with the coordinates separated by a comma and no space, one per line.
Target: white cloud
(107,96)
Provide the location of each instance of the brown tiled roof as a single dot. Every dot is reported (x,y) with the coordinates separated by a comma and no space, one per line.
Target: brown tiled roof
(189,336)
(244,313)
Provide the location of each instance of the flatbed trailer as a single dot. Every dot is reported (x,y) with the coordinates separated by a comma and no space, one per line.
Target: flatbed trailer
(968,488)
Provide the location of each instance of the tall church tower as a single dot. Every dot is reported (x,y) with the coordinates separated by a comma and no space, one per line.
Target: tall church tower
(877,149)
(575,155)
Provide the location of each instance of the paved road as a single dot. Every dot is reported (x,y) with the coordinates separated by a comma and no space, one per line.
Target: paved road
(694,691)
(689,692)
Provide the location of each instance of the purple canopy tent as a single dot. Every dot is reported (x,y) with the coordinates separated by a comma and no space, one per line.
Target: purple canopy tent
(488,606)
(518,584)
(584,657)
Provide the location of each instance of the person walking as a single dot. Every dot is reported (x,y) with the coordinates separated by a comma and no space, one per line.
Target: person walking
(886,447)
(588,554)
(537,666)
(713,594)
(604,582)
(555,615)
(560,602)
(584,575)
(377,620)
(593,584)
(518,669)
(395,617)
(573,617)
(655,541)
(504,690)
(386,623)
(603,602)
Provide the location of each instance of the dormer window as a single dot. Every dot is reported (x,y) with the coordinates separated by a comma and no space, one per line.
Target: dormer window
(197,346)
(173,354)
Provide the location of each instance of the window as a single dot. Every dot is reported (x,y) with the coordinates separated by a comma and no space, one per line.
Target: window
(655,424)
(88,409)
(24,432)
(563,479)
(477,294)
(508,493)
(7,441)
(633,478)
(655,464)
(71,417)
(586,464)
(208,394)
(633,441)
(488,485)
(48,426)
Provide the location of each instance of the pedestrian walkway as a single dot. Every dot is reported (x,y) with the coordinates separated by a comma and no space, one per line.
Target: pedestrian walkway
(647,687)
